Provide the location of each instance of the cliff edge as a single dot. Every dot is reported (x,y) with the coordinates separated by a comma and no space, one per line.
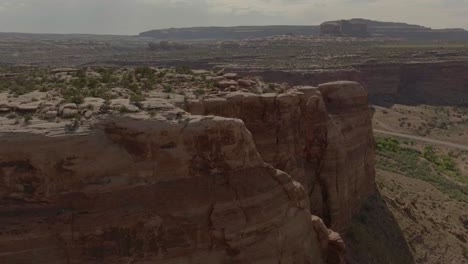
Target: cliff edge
(233,177)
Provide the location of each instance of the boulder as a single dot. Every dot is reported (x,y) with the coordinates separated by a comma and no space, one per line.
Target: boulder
(69,113)
(51,114)
(30,107)
(71,106)
(123,105)
(227,83)
(230,76)
(246,83)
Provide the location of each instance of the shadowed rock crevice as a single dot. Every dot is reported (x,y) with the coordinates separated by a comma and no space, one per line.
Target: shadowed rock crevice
(374,236)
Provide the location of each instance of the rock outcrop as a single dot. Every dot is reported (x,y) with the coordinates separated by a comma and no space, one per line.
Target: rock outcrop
(321,136)
(235,181)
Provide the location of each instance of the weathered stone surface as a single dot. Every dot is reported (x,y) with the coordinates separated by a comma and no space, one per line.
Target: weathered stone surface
(215,78)
(336,249)
(195,106)
(200,72)
(235,182)
(123,105)
(330,242)
(156,104)
(231,76)
(50,114)
(154,191)
(29,107)
(321,136)
(88,114)
(68,110)
(69,106)
(69,113)
(227,83)
(245,83)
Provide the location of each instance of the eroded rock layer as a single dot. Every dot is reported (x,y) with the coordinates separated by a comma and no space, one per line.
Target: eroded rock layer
(235,182)
(321,136)
(441,82)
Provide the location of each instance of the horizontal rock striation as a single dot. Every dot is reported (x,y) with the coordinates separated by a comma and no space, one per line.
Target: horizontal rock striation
(150,191)
(444,82)
(235,182)
(321,136)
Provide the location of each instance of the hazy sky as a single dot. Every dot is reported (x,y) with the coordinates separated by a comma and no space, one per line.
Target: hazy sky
(134,16)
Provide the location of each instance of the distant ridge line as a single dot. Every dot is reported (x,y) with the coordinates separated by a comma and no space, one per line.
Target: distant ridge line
(376,28)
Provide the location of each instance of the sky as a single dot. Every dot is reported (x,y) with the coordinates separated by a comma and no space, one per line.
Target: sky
(130,17)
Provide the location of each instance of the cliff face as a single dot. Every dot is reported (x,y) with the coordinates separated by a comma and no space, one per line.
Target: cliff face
(180,188)
(425,82)
(321,136)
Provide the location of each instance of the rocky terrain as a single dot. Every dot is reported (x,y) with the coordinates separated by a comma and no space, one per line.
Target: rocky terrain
(103,165)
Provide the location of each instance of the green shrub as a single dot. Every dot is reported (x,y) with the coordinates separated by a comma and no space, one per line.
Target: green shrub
(73,95)
(389,144)
(123,109)
(144,72)
(199,92)
(183,69)
(27,118)
(440,171)
(168,88)
(429,153)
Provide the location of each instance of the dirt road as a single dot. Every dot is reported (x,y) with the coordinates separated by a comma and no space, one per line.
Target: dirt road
(423,139)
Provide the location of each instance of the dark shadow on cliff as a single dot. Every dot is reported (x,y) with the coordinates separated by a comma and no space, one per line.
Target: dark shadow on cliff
(375,237)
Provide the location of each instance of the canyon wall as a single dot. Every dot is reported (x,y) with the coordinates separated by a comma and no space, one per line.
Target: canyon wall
(235,181)
(321,136)
(423,82)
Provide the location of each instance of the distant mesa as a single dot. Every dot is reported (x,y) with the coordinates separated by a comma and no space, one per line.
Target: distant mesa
(359,27)
(344,28)
(356,27)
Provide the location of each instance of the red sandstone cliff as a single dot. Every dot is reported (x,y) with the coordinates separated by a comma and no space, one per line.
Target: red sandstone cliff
(321,136)
(236,182)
